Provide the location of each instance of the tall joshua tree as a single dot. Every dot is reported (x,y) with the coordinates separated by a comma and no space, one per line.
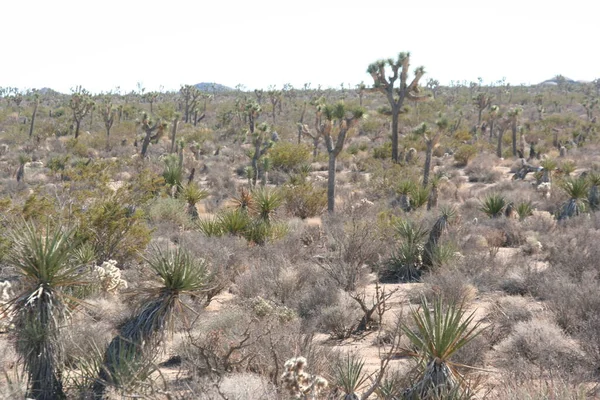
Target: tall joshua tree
(481,101)
(81,104)
(513,116)
(493,116)
(149,129)
(396,95)
(108,112)
(338,120)
(431,140)
(190,95)
(36,103)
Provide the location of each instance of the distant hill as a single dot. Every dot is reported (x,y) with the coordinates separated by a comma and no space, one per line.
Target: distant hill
(554,81)
(211,86)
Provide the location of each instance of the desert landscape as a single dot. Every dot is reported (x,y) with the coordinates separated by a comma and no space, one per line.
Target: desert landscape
(397,239)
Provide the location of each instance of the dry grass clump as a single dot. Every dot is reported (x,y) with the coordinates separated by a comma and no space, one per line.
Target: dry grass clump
(450,283)
(481,169)
(535,346)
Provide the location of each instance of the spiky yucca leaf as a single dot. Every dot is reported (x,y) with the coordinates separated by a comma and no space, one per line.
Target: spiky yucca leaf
(575,188)
(493,205)
(267,201)
(348,374)
(524,209)
(177,273)
(192,193)
(440,331)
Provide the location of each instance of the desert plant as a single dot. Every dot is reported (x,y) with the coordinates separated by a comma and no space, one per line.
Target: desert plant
(594,194)
(267,201)
(406,261)
(192,195)
(464,154)
(44,260)
(349,376)
(524,209)
(440,331)
(493,205)
(396,95)
(177,273)
(304,200)
(338,119)
(577,190)
(299,383)
(81,104)
(173,172)
(432,248)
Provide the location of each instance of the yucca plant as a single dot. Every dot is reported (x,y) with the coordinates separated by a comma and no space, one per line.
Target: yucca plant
(177,273)
(192,195)
(568,167)
(210,227)
(524,209)
(267,201)
(244,201)
(234,222)
(419,197)
(173,172)
(440,331)
(594,192)
(45,261)
(448,215)
(577,190)
(405,190)
(349,376)
(406,262)
(493,205)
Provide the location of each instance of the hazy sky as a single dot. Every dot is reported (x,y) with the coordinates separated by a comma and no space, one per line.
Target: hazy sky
(106,43)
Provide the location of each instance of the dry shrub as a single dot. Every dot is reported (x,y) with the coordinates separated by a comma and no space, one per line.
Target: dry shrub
(505,313)
(484,272)
(450,283)
(340,319)
(234,386)
(535,390)
(481,169)
(535,346)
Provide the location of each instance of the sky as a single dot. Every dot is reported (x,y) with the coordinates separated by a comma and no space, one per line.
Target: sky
(109,44)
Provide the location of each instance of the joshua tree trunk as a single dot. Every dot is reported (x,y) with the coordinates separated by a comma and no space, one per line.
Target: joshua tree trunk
(395,118)
(499,148)
(331,182)
(35,107)
(427,167)
(514,137)
(174,133)
(77,124)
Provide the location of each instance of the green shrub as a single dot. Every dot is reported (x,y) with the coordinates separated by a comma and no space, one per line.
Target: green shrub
(464,154)
(289,157)
(383,152)
(305,200)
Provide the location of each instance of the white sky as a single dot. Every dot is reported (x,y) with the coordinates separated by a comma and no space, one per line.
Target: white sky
(103,44)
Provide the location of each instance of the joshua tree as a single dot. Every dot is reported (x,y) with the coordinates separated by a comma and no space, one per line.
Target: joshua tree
(190,95)
(300,124)
(275,98)
(174,131)
(151,98)
(149,129)
(481,101)
(261,145)
(431,140)
(360,90)
(338,119)
(81,104)
(513,116)
(45,262)
(493,116)
(577,190)
(396,96)
(108,112)
(503,126)
(36,102)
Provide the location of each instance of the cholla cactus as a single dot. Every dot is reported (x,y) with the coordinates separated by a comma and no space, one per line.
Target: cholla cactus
(110,277)
(300,383)
(6,293)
